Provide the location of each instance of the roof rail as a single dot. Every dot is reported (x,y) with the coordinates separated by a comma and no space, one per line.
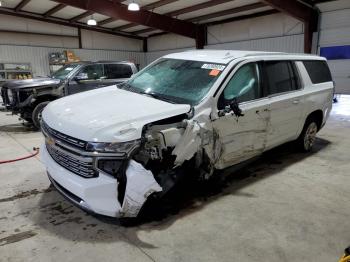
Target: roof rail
(266,53)
(280,53)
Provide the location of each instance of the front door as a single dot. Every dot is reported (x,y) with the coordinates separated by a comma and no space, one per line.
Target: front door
(242,137)
(88,78)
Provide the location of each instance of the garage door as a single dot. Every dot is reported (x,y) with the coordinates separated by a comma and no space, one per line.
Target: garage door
(334,42)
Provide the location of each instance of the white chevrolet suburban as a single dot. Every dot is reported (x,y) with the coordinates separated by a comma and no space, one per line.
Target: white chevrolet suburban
(110,149)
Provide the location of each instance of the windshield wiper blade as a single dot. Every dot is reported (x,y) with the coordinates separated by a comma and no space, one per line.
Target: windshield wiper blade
(130,88)
(158,96)
(124,85)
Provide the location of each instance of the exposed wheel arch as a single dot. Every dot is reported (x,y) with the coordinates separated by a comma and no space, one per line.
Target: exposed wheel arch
(44,98)
(317,115)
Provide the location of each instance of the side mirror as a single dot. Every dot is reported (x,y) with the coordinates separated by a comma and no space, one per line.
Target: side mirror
(232,107)
(81,77)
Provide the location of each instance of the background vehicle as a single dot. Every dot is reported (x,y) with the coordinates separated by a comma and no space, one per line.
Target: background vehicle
(29,97)
(200,111)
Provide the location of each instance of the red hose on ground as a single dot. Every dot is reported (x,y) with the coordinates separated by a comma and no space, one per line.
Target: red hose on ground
(36,151)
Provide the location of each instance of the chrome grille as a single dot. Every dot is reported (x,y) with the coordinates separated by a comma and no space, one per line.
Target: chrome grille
(64,138)
(82,166)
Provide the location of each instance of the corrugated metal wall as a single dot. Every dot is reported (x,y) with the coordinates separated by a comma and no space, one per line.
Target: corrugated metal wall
(38,56)
(277,32)
(291,44)
(151,56)
(335,31)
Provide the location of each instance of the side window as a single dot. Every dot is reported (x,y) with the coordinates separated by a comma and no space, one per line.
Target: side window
(91,72)
(318,71)
(115,71)
(244,85)
(280,77)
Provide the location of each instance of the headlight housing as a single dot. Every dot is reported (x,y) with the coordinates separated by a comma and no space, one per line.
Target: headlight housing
(122,148)
(110,166)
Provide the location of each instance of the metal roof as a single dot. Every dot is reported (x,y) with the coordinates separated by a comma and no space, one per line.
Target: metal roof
(194,11)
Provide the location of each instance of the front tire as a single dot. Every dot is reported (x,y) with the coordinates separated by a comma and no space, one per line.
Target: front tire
(307,137)
(36,115)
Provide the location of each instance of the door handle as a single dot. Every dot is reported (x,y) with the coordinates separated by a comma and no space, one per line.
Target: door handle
(295,102)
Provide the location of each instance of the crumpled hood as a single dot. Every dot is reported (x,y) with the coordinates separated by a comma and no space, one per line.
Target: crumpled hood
(28,83)
(107,114)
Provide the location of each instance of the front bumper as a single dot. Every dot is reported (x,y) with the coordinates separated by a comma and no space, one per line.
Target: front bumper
(96,195)
(19,99)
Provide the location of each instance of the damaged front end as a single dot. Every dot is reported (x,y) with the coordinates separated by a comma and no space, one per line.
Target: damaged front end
(170,150)
(116,179)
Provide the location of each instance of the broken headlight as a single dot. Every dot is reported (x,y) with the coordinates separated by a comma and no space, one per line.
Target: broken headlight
(109,166)
(117,147)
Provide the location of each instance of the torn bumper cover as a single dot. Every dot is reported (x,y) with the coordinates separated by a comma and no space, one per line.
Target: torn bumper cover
(139,186)
(100,194)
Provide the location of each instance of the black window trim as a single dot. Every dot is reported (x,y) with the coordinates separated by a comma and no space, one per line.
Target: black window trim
(295,70)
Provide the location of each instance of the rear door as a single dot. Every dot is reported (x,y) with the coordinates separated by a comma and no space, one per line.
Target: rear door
(245,136)
(89,77)
(282,85)
(116,73)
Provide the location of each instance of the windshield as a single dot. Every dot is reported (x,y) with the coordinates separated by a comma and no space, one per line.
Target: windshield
(63,72)
(177,81)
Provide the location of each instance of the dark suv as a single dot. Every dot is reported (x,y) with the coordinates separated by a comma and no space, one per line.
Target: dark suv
(28,98)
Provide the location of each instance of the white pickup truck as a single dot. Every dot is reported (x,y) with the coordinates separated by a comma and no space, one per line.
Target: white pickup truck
(195,112)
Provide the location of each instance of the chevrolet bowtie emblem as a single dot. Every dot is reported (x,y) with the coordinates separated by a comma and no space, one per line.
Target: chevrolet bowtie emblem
(51,141)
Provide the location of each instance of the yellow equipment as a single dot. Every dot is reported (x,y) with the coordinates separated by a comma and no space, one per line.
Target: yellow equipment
(346,256)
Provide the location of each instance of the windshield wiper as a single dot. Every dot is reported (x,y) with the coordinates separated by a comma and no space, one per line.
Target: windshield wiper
(130,88)
(157,96)
(124,85)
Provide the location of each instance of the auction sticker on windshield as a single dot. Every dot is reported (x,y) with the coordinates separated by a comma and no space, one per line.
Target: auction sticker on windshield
(214,72)
(213,66)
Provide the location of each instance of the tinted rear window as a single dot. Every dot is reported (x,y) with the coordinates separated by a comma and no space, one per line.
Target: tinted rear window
(318,71)
(115,71)
(281,77)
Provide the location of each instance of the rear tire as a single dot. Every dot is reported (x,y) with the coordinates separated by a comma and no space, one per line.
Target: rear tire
(36,115)
(307,137)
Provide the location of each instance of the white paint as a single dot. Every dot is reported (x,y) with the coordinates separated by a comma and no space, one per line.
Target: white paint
(100,194)
(139,186)
(221,56)
(116,109)
(225,138)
